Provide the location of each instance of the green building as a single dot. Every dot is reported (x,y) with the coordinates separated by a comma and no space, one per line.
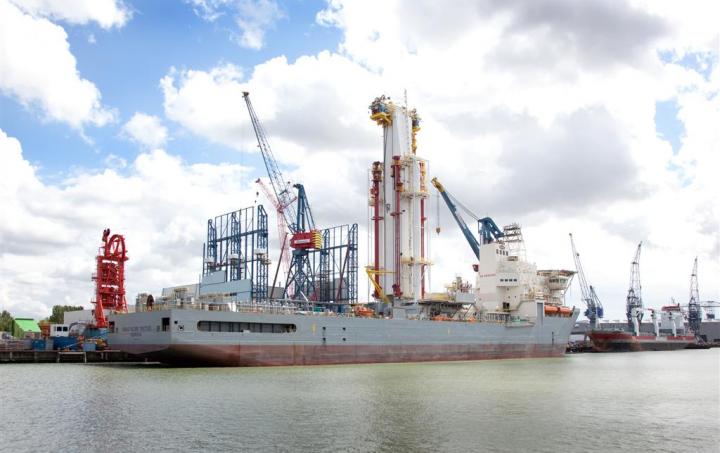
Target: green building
(24,326)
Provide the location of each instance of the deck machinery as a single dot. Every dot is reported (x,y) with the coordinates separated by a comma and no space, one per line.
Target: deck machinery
(397,201)
(109,277)
(322,269)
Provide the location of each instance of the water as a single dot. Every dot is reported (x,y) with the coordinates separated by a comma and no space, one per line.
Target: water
(646,401)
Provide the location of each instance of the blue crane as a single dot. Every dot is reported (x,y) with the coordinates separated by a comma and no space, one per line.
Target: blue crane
(488,230)
(298,217)
(594,311)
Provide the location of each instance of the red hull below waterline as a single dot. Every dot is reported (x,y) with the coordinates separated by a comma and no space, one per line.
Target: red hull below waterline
(618,341)
(292,355)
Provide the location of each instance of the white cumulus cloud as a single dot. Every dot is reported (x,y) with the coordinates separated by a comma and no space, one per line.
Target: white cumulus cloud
(106,13)
(146,130)
(252,17)
(39,70)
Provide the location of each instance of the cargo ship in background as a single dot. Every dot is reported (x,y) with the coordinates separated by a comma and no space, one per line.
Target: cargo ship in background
(233,318)
(668,334)
(668,331)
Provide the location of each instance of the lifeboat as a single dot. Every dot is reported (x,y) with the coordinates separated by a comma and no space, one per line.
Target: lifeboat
(363,311)
(441,318)
(552,309)
(566,311)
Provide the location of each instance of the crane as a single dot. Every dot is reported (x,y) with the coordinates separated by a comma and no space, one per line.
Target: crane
(282,225)
(487,228)
(634,304)
(694,310)
(297,216)
(594,311)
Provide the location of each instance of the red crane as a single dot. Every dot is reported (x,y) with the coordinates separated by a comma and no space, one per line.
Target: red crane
(110,277)
(283,229)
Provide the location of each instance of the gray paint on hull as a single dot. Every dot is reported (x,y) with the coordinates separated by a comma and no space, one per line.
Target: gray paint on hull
(141,333)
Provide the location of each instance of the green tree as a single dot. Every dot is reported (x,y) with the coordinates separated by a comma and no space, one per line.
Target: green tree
(6,321)
(59,310)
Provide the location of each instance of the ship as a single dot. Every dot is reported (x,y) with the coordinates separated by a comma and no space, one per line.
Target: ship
(668,334)
(512,310)
(521,317)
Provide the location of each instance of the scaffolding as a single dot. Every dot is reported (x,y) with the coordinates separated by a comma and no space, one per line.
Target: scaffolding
(237,246)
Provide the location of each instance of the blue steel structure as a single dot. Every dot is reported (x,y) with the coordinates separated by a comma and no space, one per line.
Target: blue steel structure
(237,244)
(323,267)
(487,229)
(594,311)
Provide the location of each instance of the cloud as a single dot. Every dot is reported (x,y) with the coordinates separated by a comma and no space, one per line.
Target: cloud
(252,17)
(146,130)
(294,101)
(50,233)
(39,70)
(562,140)
(106,13)
(527,117)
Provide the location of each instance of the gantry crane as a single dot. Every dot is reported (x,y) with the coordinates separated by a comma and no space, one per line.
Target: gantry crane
(634,303)
(594,311)
(487,228)
(694,310)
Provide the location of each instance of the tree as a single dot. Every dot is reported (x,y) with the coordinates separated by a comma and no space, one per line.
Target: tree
(58,311)
(6,321)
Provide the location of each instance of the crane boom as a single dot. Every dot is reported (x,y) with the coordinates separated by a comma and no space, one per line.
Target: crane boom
(594,310)
(487,228)
(281,188)
(474,244)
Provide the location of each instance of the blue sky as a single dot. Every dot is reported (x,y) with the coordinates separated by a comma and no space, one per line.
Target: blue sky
(127,64)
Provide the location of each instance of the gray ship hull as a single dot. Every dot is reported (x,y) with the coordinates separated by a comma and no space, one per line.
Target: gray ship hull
(197,337)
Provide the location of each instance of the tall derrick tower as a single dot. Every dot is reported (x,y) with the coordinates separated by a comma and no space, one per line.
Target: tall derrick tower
(398,197)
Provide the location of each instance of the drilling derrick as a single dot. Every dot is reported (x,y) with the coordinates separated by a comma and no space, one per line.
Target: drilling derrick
(110,277)
(594,311)
(397,201)
(694,310)
(634,304)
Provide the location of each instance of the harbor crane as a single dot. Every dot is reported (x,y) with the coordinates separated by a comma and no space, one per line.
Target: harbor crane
(694,310)
(634,304)
(594,311)
(487,228)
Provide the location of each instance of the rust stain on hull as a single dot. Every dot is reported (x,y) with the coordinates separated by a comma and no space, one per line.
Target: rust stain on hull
(297,355)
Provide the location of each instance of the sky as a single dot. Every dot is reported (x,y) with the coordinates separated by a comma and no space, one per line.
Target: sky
(597,117)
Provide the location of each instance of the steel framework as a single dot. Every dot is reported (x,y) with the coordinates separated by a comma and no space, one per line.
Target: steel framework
(694,310)
(109,277)
(634,303)
(237,243)
(327,273)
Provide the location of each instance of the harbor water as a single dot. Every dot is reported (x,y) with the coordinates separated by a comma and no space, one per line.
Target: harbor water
(645,401)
